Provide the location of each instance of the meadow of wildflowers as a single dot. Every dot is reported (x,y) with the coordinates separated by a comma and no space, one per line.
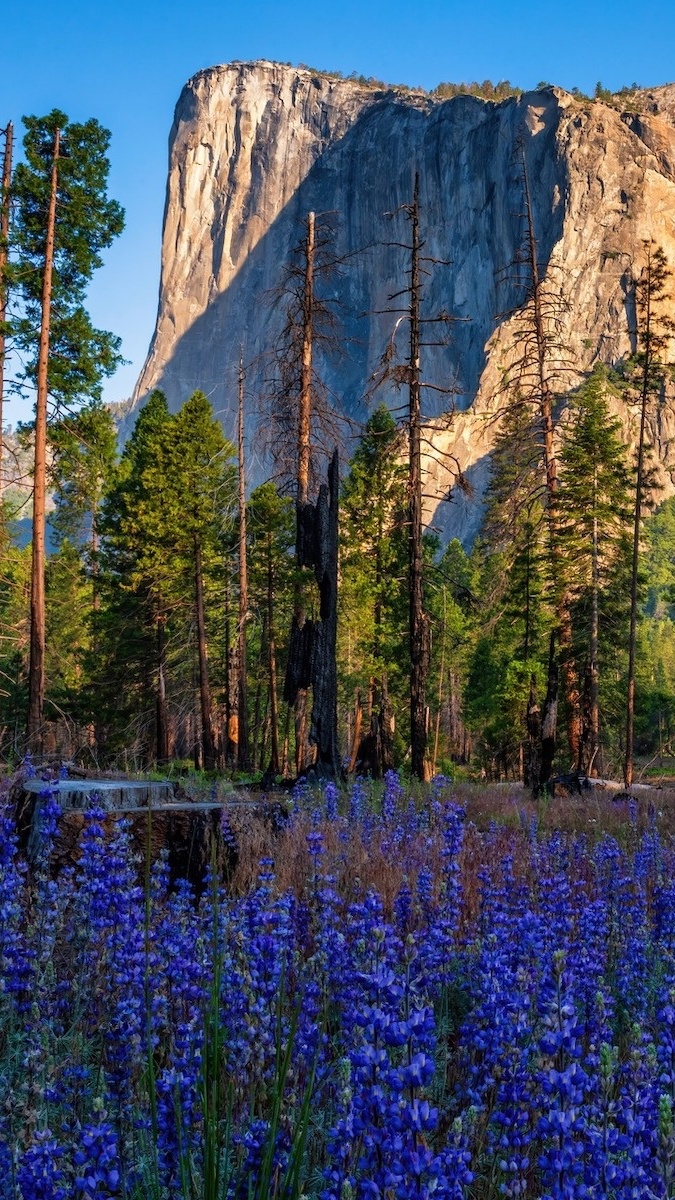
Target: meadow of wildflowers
(390,1004)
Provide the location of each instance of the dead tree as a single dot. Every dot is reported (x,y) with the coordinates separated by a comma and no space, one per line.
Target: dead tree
(400,374)
(312,654)
(532,383)
(5,204)
(243,755)
(301,424)
(541,326)
(653,334)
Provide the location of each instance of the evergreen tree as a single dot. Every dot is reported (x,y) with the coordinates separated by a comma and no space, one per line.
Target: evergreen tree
(84,448)
(507,668)
(137,587)
(63,220)
(594,503)
(271,537)
(373,558)
(200,500)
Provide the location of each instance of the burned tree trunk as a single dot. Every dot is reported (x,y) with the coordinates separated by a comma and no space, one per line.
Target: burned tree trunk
(312,656)
(243,754)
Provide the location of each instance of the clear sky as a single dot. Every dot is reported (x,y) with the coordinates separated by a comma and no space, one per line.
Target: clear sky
(125,63)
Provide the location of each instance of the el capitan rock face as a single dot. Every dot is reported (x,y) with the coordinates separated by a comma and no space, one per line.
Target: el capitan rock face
(255,146)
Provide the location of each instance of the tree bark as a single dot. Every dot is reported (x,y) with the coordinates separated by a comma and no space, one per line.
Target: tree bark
(36,669)
(323,732)
(312,654)
(304,450)
(5,203)
(440,686)
(549,720)
(594,666)
(356,736)
(419,648)
(243,755)
(628,768)
(208,742)
(562,602)
(532,760)
(162,730)
(305,406)
(275,760)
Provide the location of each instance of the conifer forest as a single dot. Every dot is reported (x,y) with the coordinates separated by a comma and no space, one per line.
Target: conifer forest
(406,928)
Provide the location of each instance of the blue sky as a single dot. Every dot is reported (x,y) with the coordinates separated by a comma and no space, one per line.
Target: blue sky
(125,63)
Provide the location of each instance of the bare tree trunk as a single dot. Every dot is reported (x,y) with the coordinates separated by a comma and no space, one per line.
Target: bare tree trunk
(285,766)
(419,647)
(532,761)
(440,687)
(255,732)
(304,447)
(36,669)
(628,768)
(562,602)
(243,755)
(356,739)
(594,667)
(202,658)
(305,406)
(549,721)
(5,204)
(162,732)
(275,762)
(231,717)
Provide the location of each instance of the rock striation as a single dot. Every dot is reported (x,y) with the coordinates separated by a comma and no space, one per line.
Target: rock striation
(255,146)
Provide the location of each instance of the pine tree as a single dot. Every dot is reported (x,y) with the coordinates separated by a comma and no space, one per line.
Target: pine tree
(594,507)
(63,221)
(137,586)
(374,573)
(201,497)
(508,665)
(271,536)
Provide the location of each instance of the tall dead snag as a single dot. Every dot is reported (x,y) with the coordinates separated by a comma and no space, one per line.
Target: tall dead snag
(305,404)
(419,629)
(5,204)
(36,669)
(275,760)
(208,739)
(653,334)
(243,755)
(400,374)
(545,398)
(532,379)
(301,426)
(302,494)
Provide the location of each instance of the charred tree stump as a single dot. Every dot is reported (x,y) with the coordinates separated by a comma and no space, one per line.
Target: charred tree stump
(312,656)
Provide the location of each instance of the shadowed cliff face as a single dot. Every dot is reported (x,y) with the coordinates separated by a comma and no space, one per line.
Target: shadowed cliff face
(255,146)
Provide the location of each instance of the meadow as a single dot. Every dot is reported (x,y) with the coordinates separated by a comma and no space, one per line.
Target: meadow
(446,994)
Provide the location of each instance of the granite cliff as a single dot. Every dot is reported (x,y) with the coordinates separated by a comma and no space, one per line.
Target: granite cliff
(254,146)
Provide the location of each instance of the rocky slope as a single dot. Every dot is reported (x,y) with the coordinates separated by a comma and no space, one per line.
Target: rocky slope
(254,146)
